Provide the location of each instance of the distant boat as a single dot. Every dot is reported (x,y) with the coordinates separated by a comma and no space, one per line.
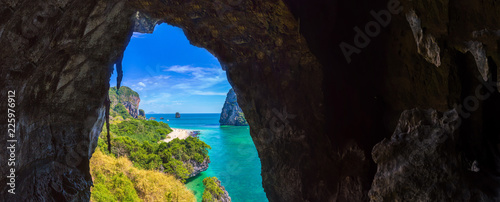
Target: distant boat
(168,120)
(161,118)
(177,115)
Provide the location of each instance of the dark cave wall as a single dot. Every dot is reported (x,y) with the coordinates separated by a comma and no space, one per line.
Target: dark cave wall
(57,56)
(314,117)
(390,76)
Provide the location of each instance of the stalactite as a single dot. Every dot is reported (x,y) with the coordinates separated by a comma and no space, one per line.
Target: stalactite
(107,103)
(119,71)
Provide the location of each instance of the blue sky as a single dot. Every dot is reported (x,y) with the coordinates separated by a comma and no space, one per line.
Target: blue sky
(171,75)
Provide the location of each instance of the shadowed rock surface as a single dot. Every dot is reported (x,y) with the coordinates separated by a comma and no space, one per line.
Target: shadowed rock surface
(314,118)
(421,162)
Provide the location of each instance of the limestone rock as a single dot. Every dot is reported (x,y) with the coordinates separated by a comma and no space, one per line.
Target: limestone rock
(127,97)
(420,161)
(426,44)
(477,50)
(198,167)
(231,112)
(144,23)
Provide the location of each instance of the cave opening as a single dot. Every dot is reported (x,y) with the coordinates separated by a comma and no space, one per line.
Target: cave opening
(171,76)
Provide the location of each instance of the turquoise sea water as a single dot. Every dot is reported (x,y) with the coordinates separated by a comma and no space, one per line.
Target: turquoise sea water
(233,156)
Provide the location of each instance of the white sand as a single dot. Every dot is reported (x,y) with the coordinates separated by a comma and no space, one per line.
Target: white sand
(177,133)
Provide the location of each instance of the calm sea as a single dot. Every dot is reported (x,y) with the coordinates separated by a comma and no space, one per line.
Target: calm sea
(234,158)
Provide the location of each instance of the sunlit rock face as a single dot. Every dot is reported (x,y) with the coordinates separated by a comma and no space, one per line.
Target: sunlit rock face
(127,97)
(231,112)
(314,116)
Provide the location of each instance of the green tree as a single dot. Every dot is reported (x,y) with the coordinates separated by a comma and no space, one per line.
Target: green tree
(213,192)
(100,192)
(123,188)
(138,140)
(177,168)
(121,111)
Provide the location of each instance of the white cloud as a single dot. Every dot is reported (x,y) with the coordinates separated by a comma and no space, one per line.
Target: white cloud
(182,86)
(157,98)
(196,72)
(141,84)
(162,77)
(201,77)
(177,102)
(197,92)
(182,69)
(138,35)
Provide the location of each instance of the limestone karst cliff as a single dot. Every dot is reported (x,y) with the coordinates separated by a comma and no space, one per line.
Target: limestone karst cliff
(126,97)
(231,112)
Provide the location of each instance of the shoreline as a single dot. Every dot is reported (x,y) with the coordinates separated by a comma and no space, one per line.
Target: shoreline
(178,133)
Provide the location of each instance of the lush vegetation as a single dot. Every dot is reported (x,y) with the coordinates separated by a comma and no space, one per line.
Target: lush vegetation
(142,114)
(117,98)
(120,110)
(124,93)
(213,192)
(140,166)
(141,130)
(115,179)
(138,140)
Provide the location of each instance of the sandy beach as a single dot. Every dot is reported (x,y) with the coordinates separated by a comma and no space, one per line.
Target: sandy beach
(177,133)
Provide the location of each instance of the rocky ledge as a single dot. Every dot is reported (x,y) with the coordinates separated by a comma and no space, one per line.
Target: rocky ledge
(198,167)
(214,191)
(225,196)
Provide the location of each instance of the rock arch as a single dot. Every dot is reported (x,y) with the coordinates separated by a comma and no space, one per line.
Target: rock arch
(314,118)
